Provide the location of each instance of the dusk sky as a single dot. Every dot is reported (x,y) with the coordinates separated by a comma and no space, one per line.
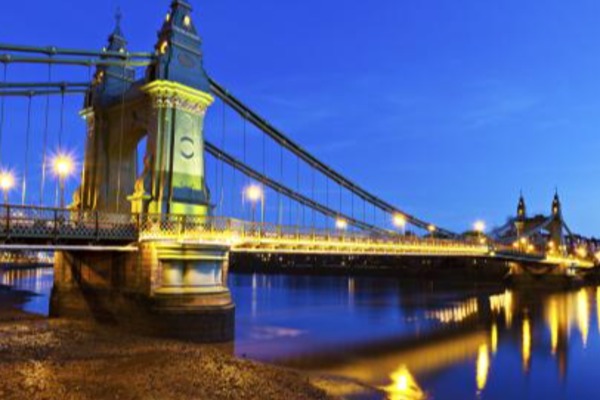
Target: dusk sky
(446,109)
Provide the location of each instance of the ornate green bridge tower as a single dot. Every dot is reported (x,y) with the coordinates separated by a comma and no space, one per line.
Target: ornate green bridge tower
(178,287)
(167,107)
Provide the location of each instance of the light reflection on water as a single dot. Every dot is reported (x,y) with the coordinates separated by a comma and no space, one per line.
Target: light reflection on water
(403,386)
(456,344)
(38,281)
(411,340)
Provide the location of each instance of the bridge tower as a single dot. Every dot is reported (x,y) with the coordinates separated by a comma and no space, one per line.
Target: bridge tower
(556,227)
(166,107)
(180,287)
(521,216)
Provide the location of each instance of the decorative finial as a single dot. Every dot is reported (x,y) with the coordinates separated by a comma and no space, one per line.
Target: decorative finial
(118,17)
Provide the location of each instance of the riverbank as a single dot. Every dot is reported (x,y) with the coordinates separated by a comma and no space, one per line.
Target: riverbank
(53,358)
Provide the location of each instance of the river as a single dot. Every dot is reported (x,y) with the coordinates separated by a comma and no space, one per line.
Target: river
(411,340)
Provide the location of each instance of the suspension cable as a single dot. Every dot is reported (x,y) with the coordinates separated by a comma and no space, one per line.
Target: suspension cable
(60,134)
(298,189)
(25,167)
(45,140)
(280,204)
(244,138)
(222,182)
(340,185)
(326,193)
(2,105)
(287,191)
(62,119)
(233,191)
(283,140)
(264,154)
(122,128)
(313,197)
(217,180)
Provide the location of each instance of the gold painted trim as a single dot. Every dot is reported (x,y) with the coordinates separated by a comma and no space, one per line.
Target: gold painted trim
(177,90)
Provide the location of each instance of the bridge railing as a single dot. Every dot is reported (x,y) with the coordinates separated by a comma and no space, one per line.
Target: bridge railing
(43,224)
(180,227)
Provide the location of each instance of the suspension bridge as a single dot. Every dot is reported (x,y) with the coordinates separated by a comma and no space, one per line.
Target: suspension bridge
(178,174)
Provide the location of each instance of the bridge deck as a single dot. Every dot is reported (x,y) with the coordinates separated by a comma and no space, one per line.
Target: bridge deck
(50,228)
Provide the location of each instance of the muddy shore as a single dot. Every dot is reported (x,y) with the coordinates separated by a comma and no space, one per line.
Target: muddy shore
(60,359)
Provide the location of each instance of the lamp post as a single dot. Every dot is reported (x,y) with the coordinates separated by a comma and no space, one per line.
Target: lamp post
(254,193)
(341,224)
(479,227)
(7,181)
(432,229)
(399,221)
(63,167)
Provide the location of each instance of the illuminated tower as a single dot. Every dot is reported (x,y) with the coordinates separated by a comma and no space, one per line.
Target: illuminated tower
(521,216)
(557,225)
(179,88)
(167,108)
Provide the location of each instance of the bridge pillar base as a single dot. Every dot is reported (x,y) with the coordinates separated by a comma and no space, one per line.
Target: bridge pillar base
(164,289)
(540,275)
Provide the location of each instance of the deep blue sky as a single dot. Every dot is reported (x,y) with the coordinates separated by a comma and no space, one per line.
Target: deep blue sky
(444,108)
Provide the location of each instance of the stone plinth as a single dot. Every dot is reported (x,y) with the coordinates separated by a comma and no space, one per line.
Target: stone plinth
(165,289)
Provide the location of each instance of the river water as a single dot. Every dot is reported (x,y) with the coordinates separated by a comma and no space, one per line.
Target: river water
(411,340)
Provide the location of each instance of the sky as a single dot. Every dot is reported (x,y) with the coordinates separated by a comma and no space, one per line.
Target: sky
(446,109)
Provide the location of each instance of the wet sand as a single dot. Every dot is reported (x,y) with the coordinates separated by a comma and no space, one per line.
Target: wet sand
(59,359)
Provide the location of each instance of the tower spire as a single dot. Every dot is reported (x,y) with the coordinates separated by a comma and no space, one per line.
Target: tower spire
(111,81)
(118,18)
(116,40)
(179,50)
(556,206)
(521,208)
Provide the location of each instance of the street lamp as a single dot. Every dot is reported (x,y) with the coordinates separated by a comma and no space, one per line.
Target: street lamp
(432,229)
(7,182)
(399,221)
(341,224)
(63,168)
(254,193)
(479,227)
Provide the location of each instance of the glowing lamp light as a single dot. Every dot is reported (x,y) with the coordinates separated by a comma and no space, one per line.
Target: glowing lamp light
(163,47)
(431,228)
(341,224)
(254,193)
(7,181)
(63,165)
(582,252)
(399,220)
(479,226)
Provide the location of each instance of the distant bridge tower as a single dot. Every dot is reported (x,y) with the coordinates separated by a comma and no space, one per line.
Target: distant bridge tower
(167,107)
(557,226)
(520,222)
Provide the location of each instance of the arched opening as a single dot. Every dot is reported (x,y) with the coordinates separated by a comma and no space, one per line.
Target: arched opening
(140,153)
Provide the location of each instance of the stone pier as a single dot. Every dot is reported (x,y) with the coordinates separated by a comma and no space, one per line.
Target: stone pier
(541,275)
(163,289)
